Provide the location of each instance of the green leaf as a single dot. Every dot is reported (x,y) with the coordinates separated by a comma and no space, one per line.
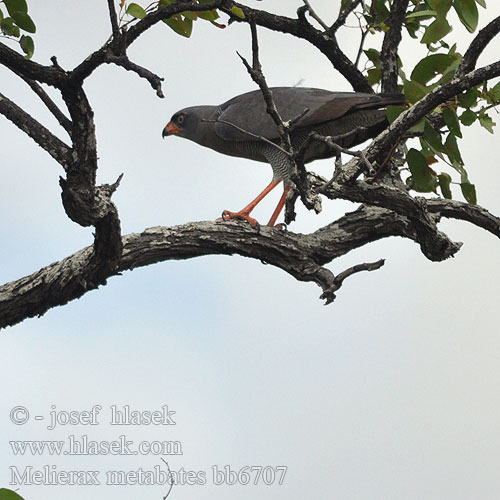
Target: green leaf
(422,13)
(433,137)
(434,65)
(493,94)
(392,112)
(442,7)
(180,26)
(24,22)
(136,11)
(482,3)
(451,149)
(444,185)
(1,15)
(238,12)
(27,45)
(373,55)
(435,31)
(451,120)
(468,117)
(6,494)
(486,121)
(424,179)
(414,91)
(9,27)
(418,127)
(468,98)
(469,192)
(467,13)
(209,15)
(16,6)
(192,16)
(374,76)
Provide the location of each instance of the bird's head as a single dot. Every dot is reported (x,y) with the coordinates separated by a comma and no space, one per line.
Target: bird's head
(179,124)
(195,123)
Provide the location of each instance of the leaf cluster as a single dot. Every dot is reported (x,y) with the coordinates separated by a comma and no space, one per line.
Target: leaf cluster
(14,19)
(429,22)
(181,23)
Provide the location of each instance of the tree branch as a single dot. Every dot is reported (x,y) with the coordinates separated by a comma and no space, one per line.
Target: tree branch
(154,80)
(392,39)
(482,39)
(325,43)
(378,148)
(343,15)
(302,256)
(114,19)
(50,75)
(315,16)
(97,58)
(34,129)
(63,120)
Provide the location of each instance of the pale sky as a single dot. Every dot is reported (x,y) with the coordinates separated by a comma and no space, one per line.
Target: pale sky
(391,392)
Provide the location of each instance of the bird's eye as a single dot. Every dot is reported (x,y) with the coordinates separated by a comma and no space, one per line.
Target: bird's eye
(180,119)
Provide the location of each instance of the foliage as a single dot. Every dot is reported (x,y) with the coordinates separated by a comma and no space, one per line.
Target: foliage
(6,494)
(181,23)
(429,22)
(14,19)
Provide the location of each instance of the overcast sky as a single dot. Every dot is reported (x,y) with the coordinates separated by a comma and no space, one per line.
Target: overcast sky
(391,392)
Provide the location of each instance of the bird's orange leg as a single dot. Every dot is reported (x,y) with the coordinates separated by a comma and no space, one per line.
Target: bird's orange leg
(280,206)
(244,213)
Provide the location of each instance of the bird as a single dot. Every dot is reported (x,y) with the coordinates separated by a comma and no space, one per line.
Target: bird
(242,127)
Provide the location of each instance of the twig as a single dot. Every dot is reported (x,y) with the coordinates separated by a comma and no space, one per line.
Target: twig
(258,77)
(154,80)
(113,18)
(364,33)
(63,120)
(251,134)
(329,293)
(330,142)
(343,14)
(34,129)
(170,477)
(315,16)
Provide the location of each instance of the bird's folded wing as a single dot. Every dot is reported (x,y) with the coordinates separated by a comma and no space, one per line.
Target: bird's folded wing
(248,111)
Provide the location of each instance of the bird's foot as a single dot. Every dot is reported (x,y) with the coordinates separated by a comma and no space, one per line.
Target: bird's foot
(227,215)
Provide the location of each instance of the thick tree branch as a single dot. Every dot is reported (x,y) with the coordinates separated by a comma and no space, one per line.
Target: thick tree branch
(34,129)
(299,255)
(435,245)
(377,150)
(474,214)
(392,39)
(483,38)
(50,75)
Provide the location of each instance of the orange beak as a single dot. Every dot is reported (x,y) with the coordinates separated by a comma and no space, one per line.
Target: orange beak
(170,129)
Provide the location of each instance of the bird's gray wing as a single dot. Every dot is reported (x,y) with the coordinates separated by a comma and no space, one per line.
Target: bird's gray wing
(248,111)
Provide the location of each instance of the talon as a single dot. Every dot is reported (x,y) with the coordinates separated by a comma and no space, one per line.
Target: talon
(227,215)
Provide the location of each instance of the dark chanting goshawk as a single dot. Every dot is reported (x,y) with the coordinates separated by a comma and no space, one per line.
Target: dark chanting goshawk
(236,128)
